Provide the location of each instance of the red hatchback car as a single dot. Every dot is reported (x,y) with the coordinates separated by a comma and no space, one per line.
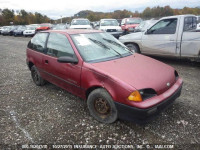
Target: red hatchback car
(95,66)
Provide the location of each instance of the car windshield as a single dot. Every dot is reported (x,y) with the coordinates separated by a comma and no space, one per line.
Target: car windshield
(6,27)
(145,24)
(30,28)
(22,28)
(109,23)
(59,27)
(98,47)
(80,22)
(133,21)
(45,25)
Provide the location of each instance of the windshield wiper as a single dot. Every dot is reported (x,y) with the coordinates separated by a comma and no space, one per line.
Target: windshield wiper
(104,46)
(99,43)
(117,44)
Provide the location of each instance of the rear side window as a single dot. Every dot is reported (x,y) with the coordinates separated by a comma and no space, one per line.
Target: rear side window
(38,42)
(190,23)
(166,26)
(58,45)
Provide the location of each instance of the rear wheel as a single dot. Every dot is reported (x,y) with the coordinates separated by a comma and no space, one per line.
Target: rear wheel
(101,106)
(37,79)
(133,47)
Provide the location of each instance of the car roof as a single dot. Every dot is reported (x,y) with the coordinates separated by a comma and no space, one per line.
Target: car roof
(74,31)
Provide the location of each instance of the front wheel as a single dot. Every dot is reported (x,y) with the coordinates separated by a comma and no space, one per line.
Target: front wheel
(101,106)
(37,79)
(133,47)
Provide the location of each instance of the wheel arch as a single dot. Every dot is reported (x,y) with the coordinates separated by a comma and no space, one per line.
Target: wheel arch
(89,90)
(134,44)
(30,64)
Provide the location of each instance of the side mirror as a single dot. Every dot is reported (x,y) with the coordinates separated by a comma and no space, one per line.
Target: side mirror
(66,59)
(147,31)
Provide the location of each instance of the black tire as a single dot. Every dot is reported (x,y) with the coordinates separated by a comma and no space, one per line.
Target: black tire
(37,79)
(101,106)
(133,47)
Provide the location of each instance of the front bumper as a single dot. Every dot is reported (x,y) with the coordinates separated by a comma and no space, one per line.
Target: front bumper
(29,34)
(130,113)
(18,33)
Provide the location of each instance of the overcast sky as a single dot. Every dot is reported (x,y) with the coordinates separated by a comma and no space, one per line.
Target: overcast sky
(66,8)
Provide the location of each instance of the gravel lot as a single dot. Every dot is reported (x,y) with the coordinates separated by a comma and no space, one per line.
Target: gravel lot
(50,115)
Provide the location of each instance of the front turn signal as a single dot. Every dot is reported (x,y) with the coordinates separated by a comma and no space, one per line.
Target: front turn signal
(135,96)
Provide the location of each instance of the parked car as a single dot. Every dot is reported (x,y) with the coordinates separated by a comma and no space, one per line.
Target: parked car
(1,28)
(128,24)
(19,31)
(60,27)
(80,23)
(119,21)
(95,66)
(44,26)
(12,29)
(144,25)
(173,36)
(30,31)
(5,30)
(198,26)
(111,26)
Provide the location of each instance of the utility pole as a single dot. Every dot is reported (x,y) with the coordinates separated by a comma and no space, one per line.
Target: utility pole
(61,19)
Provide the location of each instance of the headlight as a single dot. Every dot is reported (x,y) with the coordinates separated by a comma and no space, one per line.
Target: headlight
(176,74)
(147,93)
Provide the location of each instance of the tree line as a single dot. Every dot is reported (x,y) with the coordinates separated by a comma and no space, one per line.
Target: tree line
(22,17)
(148,13)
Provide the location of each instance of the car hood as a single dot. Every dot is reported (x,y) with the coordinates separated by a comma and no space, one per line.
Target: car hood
(80,27)
(110,27)
(130,25)
(132,36)
(139,71)
(43,28)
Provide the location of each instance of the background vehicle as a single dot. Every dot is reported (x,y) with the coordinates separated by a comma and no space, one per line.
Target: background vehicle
(111,26)
(128,24)
(1,28)
(198,26)
(5,30)
(30,31)
(44,26)
(144,25)
(12,29)
(95,66)
(19,31)
(60,27)
(173,36)
(80,23)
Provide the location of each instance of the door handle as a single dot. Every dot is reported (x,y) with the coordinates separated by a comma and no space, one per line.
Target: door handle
(46,61)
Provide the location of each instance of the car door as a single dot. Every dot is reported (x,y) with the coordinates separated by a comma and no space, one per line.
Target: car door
(161,38)
(36,50)
(65,75)
(190,44)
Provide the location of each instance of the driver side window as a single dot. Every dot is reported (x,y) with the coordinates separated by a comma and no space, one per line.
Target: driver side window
(166,26)
(58,45)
